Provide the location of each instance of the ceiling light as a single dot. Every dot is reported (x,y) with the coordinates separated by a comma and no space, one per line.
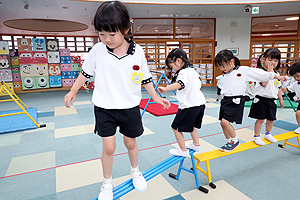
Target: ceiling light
(291,18)
(65,7)
(267,34)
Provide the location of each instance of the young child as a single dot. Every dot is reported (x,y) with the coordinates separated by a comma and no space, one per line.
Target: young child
(264,104)
(233,90)
(191,101)
(119,67)
(219,86)
(290,81)
(295,87)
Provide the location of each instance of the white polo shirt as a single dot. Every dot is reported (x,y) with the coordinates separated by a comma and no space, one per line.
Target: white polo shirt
(190,94)
(220,80)
(295,87)
(117,79)
(235,82)
(268,91)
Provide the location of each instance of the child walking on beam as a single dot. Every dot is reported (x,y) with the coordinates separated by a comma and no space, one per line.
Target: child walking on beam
(191,101)
(233,90)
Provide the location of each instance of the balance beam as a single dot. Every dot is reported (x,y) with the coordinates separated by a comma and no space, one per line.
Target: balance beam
(210,155)
(127,186)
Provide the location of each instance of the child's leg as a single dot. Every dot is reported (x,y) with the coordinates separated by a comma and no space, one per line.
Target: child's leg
(180,139)
(229,132)
(139,181)
(228,129)
(298,121)
(109,147)
(257,126)
(268,136)
(269,126)
(195,136)
(131,145)
(298,117)
(195,145)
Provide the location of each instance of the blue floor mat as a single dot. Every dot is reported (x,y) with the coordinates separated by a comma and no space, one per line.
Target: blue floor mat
(17,122)
(285,125)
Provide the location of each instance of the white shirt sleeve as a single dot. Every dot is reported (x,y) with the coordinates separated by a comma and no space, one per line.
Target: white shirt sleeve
(255,74)
(89,64)
(292,87)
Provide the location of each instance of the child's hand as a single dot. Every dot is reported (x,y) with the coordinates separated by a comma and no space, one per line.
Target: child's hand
(281,103)
(165,103)
(270,67)
(70,97)
(161,89)
(280,78)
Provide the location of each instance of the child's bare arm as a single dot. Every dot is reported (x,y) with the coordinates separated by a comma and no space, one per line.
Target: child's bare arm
(284,90)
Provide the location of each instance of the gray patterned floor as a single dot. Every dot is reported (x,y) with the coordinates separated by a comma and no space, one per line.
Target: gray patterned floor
(62,161)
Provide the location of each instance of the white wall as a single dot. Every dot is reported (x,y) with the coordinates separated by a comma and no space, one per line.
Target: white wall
(241,34)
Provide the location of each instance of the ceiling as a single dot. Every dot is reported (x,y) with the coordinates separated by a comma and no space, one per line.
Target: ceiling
(83,12)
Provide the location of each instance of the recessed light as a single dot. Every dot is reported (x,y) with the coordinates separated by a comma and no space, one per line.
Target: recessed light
(65,7)
(267,34)
(46,6)
(291,18)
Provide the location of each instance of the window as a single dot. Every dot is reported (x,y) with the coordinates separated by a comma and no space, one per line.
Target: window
(281,26)
(164,28)
(75,44)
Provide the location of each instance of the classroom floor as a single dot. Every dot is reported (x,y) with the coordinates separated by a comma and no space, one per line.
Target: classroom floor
(62,161)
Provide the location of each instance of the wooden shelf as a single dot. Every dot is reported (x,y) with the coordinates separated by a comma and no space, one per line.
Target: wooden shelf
(42,90)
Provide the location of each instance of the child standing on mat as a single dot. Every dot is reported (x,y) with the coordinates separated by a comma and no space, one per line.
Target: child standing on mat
(233,90)
(191,101)
(219,86)
(264,103)
(295,87)
(119,67)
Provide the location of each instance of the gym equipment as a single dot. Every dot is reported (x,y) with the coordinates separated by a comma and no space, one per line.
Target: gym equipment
(8,123)
(127,186)
(162,75)
(210,155)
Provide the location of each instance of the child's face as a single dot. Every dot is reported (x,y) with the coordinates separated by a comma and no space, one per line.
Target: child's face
(112,39)
(297,76)
(227,67)
(176,65)
(271,63)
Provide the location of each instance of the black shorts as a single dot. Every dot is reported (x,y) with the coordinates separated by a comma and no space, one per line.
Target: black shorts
(298,108)
(232,109)
(129,121)
(218,91)
(263,108)
(188,118)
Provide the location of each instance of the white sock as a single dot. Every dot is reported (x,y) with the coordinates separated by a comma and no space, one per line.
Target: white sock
(136,169)
(228,140)
(235,139)
(107,181)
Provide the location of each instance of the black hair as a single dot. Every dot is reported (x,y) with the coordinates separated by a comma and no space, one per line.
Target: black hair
(225,56)
(113,16)
(177,53)
(288,70)
(295,68)
(271,53)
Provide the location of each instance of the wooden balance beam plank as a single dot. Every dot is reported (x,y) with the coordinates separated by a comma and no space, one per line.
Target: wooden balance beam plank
(210,155)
